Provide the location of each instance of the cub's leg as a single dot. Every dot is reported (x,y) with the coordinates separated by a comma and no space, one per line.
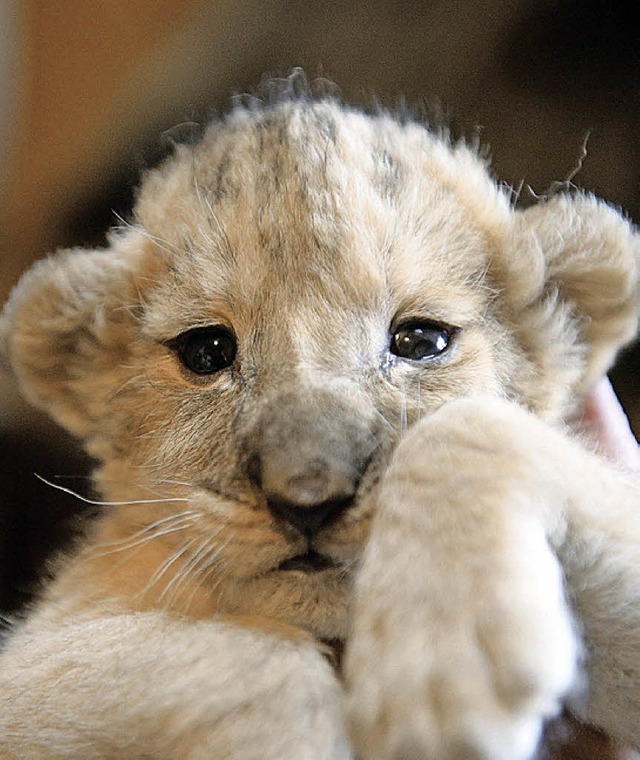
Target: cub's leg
(147,686)
(462,640)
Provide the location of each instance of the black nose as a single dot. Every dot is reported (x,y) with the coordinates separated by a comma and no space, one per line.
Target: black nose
(309,519)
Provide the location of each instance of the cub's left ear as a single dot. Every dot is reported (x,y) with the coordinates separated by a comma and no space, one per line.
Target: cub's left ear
(582,301)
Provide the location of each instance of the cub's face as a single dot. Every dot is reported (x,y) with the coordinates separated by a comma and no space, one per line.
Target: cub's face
(295,291)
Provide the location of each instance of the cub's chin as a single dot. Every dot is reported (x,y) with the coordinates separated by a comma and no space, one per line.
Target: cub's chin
(305,591)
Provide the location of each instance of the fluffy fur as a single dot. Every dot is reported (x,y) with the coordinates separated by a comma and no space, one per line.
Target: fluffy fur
(472,553)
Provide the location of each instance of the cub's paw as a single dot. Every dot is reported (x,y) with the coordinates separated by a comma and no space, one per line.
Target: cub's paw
(462,642)
(458,695)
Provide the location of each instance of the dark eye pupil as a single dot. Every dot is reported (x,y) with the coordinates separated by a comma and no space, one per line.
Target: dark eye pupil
(205,350)
(419,341)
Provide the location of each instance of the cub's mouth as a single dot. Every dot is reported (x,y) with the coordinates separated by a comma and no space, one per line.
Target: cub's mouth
(309,562)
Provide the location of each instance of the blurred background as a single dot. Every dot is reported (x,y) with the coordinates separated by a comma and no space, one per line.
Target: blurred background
(87,88)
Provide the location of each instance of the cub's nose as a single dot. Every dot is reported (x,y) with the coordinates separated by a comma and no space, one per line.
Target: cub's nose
(307,452)
(307,495)
(309,519)
(287,476)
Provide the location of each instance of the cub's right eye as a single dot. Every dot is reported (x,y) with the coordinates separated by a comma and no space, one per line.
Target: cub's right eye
(205,350)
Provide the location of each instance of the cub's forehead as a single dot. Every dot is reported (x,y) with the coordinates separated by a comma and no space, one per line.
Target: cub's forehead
(313,196)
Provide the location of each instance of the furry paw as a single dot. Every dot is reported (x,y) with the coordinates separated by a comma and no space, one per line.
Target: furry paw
(462,643)
(464,693)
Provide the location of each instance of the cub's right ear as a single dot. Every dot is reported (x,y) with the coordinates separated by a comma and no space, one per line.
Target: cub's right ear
(64,333)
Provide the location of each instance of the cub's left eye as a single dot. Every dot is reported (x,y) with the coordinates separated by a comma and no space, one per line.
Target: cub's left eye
(418,340)
(205,350)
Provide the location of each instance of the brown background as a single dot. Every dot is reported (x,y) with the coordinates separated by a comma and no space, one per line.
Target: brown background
(87,88)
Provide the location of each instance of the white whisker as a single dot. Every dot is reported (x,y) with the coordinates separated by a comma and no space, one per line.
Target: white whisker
(385,422)
(98,503)
(144,536)
(162,522)
(205,571)
(172,589)
(403,409)
(208,552)
(164,567)
(175,482)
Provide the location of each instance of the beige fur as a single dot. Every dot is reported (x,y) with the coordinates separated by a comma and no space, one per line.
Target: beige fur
(478,552)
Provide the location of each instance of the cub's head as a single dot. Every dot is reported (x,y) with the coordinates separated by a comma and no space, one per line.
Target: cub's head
(291,294)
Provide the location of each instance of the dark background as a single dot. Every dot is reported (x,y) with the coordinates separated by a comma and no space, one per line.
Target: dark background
(87,89)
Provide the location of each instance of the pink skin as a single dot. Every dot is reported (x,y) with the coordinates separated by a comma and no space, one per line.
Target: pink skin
(605,419)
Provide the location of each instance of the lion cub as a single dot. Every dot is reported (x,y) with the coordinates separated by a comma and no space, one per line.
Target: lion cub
(324,373)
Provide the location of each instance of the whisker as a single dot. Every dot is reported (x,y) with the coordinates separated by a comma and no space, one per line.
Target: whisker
(144,536)
(164,567)
(403,409)
(98,503)
(174,482)
(385,422)
(345,567)
(172,589)
(189,568)
(179,517)
(205,571)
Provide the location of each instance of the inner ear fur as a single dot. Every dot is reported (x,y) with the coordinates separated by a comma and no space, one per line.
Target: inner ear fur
(65,332)
(576,290)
